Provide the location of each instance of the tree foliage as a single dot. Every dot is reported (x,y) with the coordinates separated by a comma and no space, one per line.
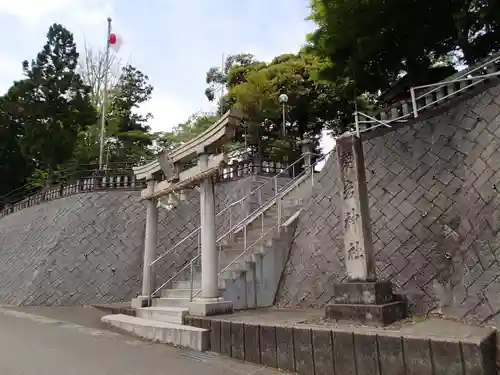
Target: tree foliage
(182,133)
(94,70)
(375,41)
(254,88)
(50,123)
(54,102)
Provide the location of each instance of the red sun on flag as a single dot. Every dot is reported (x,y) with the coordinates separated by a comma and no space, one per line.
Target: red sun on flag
(115,42)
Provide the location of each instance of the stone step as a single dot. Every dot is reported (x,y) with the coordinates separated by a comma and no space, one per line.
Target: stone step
(253,232)
(181,293)
(228,258)
(186,284)
(253,237)
(163,332)
(238,243)
(239,266)
(231,274)
(171,302)
(169,314)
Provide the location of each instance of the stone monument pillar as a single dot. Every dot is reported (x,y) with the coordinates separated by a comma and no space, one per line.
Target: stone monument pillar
(361,298)
(209,302)
(358,244)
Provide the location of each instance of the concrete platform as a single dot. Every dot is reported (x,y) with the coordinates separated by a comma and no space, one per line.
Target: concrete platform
(116,308)
(163,332)
(165,314)
(306,343)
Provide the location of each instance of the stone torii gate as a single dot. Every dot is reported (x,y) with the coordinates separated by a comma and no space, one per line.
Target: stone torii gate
(179,180)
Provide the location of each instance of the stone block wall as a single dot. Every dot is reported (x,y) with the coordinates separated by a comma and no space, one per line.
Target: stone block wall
(434,194)
(88,248)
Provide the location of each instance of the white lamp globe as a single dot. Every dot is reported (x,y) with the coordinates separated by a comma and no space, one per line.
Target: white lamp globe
(283,98)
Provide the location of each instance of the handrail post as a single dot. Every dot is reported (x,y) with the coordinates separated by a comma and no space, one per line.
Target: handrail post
(414,102)
(280,207)
(356,122)
(191,281)
(244,237)
(199,241)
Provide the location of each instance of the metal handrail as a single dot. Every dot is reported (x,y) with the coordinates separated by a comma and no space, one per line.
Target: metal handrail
(455,78)
(274,178)
(271,179)
(273,200)
(414,99)
(284,191)
(249,218)
(176,274)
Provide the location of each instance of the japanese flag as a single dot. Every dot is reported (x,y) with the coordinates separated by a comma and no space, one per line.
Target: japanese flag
(115,42)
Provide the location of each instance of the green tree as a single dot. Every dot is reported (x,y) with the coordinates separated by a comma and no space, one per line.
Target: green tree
(128,139)
(132,90)
(376,41)
(14,167)
(217,79)
(184,132)
(53,103)
(233,72)
(313,104)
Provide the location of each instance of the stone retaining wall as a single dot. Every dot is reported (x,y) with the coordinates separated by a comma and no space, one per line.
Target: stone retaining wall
(87,248)
(316,351)
(435,209)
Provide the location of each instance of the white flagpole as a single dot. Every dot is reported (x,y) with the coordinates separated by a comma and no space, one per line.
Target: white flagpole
(105,98)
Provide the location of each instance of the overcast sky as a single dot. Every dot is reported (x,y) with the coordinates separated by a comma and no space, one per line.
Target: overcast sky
(172,41)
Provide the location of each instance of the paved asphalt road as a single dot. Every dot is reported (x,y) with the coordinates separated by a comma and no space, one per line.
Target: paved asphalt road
(32,344)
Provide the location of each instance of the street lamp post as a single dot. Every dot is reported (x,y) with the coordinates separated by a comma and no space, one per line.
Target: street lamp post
(283,99)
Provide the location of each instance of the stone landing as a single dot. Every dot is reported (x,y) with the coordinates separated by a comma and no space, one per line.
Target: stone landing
(371,303)
(161,331)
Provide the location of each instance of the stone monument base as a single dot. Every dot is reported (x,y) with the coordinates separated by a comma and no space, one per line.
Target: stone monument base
(210,306)
(366,302)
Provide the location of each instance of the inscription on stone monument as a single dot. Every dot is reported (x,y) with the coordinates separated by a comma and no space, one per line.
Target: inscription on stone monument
(354,251)
(355,210)
(350,218)
(346,160)
(348,189)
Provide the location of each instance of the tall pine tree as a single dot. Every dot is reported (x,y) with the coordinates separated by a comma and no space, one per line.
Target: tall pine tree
(55,102)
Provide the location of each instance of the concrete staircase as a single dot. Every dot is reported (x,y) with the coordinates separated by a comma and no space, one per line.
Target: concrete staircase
(248,282)
(235,266)
(239,280)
